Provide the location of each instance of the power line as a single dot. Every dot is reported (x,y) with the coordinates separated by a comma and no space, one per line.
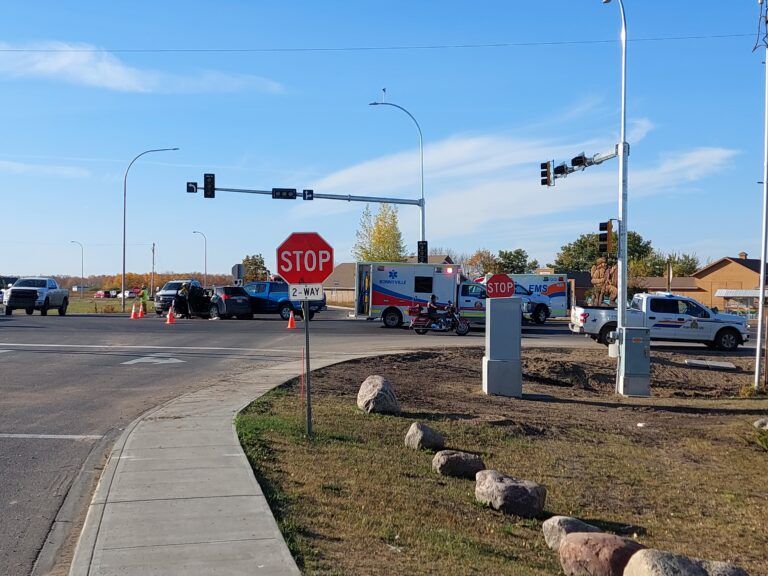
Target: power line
(369,48)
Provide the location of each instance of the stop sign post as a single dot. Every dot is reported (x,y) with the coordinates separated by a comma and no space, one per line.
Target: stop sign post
(500,286)
(305,258)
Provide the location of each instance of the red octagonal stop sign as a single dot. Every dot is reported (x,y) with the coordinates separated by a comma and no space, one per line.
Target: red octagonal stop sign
(304,258)
(500,286)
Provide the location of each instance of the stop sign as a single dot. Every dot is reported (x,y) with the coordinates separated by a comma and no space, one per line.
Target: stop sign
(304,258)
(500,286)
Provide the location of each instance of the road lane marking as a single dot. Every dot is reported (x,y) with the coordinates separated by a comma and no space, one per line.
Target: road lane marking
(54,436)
(154,360)
(130,347)
(1,351)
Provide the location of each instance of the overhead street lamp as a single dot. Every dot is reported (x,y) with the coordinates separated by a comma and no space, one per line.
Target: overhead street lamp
(82,267)
(421,155)
(205,244)
(125,202)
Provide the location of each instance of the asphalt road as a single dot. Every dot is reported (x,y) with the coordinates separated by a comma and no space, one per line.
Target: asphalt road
(69,384)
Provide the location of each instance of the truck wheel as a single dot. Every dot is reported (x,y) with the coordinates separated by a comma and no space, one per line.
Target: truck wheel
(727,339)
(214,313)
(44,309)
(63,307)
(285,311)
(8,311)
(392,318)
(29,311)
(540,314)
(604,331)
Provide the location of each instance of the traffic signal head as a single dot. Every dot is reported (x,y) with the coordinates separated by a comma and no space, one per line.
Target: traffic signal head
(547,179)
(308,194)
(605,238)
(209,186)
(284,193)
(561,170)
(192,187)
(422,252)
(579,161)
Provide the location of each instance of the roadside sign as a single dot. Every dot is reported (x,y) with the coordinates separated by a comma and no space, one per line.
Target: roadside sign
(305,291)
(500,286)
(304,258)
(238,270)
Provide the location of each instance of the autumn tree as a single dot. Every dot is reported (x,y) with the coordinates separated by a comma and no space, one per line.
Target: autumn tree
(482,262)
(516,262)
(254,268)
(379,238)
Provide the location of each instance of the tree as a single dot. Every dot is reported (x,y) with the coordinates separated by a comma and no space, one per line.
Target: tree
(379,238)
(582,253)
(516,262)
(481,263)
(254,268)
(656,263)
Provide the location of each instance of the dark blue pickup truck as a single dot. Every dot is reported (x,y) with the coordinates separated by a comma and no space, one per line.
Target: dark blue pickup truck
(272,298)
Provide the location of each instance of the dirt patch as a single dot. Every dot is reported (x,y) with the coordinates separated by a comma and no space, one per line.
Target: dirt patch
(681,471)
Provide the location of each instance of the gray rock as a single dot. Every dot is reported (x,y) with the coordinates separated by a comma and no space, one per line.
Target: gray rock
(510,495)
(661,563)
(761,424)
(422,437)
(455,463)
(596,554)
(557,527)
(377,394)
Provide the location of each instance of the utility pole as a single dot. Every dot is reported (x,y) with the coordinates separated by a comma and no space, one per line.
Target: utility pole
(761,328)
(152,277)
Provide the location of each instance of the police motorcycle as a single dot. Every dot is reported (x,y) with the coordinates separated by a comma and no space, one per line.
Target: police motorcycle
(447,320)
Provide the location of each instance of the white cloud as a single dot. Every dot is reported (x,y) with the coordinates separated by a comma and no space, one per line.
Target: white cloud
(9,167)
(638,129)
(84,64)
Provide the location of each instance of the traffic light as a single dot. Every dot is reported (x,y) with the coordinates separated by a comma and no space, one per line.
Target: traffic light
(422,252)
(580,161)
(192,187)
(209,185)
(605,238)
(308,194)
(547,179)
(561,170)
(284,193)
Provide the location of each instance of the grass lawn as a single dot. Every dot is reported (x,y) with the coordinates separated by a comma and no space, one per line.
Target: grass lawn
(355,500)
(88,305)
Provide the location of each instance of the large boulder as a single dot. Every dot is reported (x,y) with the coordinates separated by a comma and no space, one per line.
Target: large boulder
(596,554)
(661,563)
(557,527)
(377,394)
(510,495)
(459,464)
(761,424)
(422,437)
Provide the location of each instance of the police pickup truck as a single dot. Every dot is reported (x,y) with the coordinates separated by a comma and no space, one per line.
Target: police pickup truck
(30,294)
(669,317)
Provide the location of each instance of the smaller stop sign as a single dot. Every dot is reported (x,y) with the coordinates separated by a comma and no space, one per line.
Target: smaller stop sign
(304,258)
(500,286)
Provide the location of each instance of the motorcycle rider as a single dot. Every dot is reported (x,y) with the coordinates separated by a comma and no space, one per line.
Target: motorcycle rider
(433,310)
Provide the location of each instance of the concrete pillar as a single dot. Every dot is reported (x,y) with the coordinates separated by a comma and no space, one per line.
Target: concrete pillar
(502,372)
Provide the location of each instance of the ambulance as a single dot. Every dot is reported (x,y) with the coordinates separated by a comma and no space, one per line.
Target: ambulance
(386,290)
(543,290)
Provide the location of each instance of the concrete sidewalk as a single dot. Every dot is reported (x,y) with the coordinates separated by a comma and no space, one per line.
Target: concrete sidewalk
(178,496)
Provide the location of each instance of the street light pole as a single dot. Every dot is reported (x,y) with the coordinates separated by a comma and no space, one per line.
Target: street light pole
(422,227)
(205,244)
(759,361)
(125,203)
(82,266)
(623,150)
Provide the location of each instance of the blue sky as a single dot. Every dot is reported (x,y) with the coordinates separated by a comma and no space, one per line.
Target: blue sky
(73,117)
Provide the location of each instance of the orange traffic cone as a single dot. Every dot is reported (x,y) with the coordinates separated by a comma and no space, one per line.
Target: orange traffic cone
(134,316)
(171,317)
(141,310)
(291,322)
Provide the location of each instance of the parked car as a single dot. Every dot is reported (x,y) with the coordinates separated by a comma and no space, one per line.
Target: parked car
(30,294)
(272,298)
(669,317)
(229,301)
(102,294)
(164,297)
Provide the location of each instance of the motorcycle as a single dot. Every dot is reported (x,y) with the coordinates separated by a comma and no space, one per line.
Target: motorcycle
(449,319)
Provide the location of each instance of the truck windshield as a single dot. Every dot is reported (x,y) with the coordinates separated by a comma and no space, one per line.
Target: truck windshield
(172,286)
(30,283)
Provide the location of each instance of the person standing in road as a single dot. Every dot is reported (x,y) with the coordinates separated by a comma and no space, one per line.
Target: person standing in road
(144,297)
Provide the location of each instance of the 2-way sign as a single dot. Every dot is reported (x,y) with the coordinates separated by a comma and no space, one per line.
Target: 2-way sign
(304,258)
(500,286)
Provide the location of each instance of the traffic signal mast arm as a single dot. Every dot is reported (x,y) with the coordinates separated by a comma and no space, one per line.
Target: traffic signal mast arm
(550,173)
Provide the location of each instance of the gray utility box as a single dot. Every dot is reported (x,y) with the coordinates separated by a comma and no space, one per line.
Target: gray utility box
(502,372)
(634,376)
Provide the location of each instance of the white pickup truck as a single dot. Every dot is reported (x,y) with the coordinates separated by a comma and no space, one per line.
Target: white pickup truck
(670,317)
(32,294)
